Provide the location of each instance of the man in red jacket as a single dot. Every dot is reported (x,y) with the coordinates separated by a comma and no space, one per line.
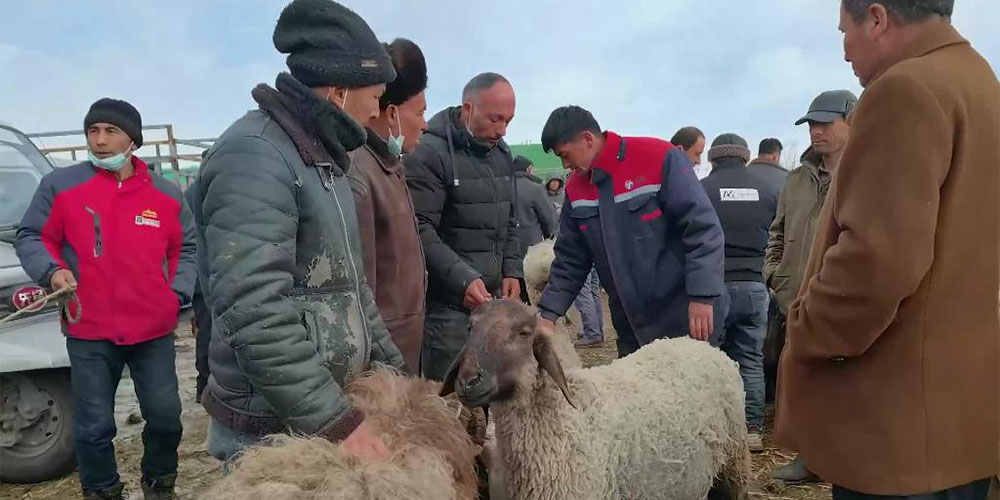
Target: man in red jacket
(125,238)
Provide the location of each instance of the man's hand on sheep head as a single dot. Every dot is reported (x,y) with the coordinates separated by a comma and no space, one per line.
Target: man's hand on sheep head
(545,325)
(476,295)
(701,320)
(365,444)
(511,288)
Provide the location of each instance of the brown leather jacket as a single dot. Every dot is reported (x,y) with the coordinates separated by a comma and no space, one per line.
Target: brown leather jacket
(393,256)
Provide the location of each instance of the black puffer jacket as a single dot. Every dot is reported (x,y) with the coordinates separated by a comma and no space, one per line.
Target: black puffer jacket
(462,192)
(293,319)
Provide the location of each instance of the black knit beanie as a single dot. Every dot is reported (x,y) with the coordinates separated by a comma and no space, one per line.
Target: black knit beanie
(118,113)
(328,44)
(521,164)
(729,146)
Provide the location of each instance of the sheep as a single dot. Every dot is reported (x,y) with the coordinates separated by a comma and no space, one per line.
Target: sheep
(433,455)
(662,423)
(537,261)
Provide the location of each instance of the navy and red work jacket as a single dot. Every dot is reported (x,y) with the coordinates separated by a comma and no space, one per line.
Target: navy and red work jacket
(130,245)
(641,216)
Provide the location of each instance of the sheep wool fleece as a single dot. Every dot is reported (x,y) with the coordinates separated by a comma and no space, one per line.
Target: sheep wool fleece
(659,424)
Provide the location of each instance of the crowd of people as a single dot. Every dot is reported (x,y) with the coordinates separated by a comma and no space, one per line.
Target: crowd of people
(334,228)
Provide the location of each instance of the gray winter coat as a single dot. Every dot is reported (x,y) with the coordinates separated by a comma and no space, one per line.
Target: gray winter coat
(293,318)
(536,217)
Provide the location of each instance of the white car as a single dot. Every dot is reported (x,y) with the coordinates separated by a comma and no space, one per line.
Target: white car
(36,412)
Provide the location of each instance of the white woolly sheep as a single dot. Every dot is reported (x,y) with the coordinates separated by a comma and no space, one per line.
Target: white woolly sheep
(662,423)
(433,456)
(537,261)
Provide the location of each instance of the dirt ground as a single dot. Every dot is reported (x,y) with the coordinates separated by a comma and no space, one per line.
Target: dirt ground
(198,470)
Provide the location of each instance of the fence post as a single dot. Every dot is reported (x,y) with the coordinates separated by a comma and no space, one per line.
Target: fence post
(172,144)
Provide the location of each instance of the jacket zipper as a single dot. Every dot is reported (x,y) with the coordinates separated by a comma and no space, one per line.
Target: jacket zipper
(500,222)
(98,239)
(357,282)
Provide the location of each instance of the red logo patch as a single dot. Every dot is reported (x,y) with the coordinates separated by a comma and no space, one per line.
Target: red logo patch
(24,296)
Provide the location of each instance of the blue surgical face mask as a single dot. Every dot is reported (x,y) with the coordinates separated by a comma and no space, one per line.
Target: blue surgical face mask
(396,142)
(112,163)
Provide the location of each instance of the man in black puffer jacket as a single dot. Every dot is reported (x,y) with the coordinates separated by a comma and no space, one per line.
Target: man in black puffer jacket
(461,180)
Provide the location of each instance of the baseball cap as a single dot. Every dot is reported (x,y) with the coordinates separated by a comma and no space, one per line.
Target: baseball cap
(829,106)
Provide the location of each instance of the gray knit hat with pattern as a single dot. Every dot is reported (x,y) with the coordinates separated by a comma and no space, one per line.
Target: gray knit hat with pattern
(729,146)
(329,44)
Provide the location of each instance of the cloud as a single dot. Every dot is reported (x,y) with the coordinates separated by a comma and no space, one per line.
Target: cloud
(643,67)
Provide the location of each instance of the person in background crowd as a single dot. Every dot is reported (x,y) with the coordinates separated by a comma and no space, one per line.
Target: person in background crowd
(293,318)
(791,233)
(462,181)
(746,205)
(118,231)
(890,385)
(394,259)
(690,140)
(767,165)
(554,190)
(536,219)
(535,215)
(637,212)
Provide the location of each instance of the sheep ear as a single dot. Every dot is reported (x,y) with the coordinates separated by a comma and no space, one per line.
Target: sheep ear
(548,361)
(449,380)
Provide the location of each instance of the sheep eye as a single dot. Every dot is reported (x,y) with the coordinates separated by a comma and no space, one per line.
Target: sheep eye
(524,333)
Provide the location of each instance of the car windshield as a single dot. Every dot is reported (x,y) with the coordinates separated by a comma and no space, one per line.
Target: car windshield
(21,169)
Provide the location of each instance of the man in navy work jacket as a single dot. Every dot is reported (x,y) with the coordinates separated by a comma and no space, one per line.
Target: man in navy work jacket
(635,209)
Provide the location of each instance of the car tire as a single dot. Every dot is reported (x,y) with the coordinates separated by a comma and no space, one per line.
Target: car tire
(50,455)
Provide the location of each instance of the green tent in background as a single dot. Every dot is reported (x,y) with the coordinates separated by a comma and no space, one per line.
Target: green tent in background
(547,165)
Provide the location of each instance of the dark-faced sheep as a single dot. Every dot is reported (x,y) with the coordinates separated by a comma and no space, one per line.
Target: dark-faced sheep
(663,423)
(433,455)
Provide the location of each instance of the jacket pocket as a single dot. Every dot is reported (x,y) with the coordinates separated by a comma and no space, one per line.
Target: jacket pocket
(646,218)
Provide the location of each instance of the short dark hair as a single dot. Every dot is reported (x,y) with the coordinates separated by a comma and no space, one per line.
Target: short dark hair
(565,124)
(769,146)
(908,11)
(482,82)
(686,137)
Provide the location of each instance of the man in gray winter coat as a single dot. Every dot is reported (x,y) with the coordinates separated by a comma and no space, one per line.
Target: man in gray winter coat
(461,178)
(293,319)
(536,218)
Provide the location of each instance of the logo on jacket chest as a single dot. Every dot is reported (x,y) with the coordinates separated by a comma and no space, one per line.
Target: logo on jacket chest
(148,217)
(738,194)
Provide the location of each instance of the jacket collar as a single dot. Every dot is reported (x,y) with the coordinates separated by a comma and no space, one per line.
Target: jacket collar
(764,163)
(812,161)
(934,39)
(380,150)
(141,170)
(322,133)
(611,154)
(727,164)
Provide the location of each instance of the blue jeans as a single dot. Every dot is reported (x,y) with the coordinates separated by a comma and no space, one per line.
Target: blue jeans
(224,443)
(95,369)
(746,328)
(588,302)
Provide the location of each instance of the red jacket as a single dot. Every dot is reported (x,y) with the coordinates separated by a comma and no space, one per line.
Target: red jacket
(130,245)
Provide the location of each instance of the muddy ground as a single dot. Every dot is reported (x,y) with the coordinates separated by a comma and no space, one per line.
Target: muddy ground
(198,470)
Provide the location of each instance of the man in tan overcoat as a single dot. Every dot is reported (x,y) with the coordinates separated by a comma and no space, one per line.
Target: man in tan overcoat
(890,382)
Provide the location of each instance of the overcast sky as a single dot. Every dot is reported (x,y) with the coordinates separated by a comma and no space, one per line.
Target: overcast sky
(642,67)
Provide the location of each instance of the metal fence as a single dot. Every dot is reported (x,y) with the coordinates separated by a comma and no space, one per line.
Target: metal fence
(167,158)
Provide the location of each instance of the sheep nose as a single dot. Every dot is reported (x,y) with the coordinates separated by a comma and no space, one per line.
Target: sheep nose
(472,381)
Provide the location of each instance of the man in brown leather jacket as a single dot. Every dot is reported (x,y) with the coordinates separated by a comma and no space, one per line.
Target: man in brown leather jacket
(394,259)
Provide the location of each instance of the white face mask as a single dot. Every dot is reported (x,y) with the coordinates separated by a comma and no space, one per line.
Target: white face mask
(396,142)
